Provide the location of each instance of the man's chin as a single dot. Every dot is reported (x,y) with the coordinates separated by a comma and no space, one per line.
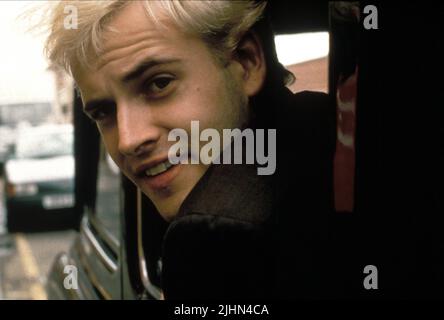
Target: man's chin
(167,202)
(168,209)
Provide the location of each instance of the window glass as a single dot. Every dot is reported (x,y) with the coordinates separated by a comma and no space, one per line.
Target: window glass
(108,194)
(306,56)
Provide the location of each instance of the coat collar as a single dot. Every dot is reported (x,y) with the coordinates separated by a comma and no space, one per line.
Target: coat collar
(233,191)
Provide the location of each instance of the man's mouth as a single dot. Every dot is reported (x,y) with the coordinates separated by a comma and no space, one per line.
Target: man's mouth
(158,169)
(158,176)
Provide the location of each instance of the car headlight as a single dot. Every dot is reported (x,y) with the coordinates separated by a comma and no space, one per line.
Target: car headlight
(25,189)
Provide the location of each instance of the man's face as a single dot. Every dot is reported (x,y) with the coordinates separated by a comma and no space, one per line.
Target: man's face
(148,82)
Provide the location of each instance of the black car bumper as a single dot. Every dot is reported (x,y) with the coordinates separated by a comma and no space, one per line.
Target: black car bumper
(30,214)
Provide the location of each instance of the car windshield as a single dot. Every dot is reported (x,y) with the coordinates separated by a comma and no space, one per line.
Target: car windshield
(33,145)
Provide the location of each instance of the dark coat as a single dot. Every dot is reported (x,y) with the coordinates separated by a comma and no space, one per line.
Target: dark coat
(241,235)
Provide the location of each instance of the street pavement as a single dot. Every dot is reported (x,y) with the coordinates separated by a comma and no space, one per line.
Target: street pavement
(25,259)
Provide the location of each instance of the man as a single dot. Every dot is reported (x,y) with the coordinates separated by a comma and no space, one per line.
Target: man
(145,68)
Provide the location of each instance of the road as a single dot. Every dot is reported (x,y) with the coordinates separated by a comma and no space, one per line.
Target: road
(25,259)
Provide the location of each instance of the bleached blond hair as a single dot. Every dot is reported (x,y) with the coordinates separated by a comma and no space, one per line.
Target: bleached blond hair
(221,24)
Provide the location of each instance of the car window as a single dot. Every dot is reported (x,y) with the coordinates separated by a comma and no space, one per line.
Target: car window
(107,206)
(306,56)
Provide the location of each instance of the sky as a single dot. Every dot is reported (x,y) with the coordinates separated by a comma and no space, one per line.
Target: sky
(23,68)
(297,48)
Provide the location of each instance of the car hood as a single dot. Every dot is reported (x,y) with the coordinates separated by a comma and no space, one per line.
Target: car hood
(40,170)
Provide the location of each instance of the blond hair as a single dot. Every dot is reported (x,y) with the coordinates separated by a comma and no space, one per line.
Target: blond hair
(221,24)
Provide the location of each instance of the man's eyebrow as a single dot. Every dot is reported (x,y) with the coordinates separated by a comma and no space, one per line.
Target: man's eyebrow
(145,65)
(95,103)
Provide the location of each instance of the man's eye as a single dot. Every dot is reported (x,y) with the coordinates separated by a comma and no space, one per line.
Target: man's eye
(99,114)
(159,84)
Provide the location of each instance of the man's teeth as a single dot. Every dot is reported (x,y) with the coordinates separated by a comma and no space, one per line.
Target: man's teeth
(161,167)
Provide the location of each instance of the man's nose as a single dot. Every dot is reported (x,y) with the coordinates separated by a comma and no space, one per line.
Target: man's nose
(138,133)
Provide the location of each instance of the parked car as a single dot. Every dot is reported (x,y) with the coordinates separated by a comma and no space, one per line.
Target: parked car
(39,179)
(15,115)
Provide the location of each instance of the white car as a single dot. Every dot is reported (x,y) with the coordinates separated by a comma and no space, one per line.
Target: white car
(39,179)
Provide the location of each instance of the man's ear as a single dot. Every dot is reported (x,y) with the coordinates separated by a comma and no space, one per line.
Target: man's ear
(250,55)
